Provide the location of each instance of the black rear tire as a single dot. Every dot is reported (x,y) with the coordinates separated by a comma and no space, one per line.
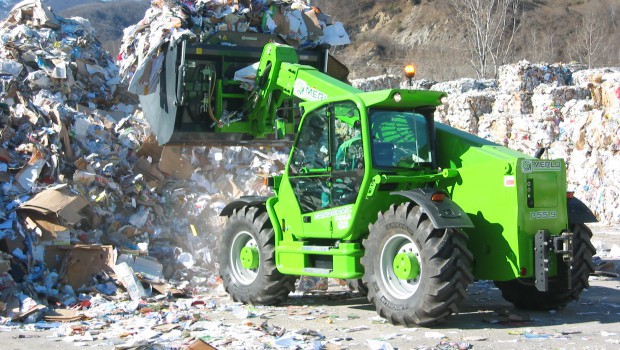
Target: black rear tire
(444,267)
(524,295)
(260,285)
(358,286)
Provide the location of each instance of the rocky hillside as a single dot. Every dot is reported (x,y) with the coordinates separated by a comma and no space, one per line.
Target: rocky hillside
(387,35)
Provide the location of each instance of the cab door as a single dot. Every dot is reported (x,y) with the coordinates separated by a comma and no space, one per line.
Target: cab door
(326,169)
(348,165)
(309,173)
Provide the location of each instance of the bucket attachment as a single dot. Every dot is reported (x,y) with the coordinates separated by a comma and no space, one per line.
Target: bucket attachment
(198,100)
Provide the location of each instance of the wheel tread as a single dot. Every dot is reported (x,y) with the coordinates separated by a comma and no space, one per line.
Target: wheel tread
(447,268)
(523,294)
(270,287)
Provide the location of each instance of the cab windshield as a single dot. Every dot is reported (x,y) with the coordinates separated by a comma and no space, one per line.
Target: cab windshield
(399,139)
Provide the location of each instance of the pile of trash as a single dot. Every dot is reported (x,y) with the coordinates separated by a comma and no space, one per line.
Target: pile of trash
(570,111)
(167,22)
(87,197)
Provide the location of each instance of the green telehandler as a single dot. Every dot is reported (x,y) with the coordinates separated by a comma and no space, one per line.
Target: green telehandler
(375,192)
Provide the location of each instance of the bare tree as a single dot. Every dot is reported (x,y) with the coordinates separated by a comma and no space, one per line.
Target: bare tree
(540,46)
(534,39)
(589,42)
(613,48)
(490,27)
(613,14)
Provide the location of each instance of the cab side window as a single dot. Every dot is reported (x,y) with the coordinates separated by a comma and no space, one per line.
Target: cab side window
(312,148)
(309,165)
(327,165)
(348,138)
(349,154)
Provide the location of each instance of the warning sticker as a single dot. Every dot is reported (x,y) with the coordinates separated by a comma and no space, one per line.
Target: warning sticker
(509,181)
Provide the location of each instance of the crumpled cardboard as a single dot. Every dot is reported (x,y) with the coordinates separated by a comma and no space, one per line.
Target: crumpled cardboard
(62,315)
(173,163)
(281,22)
(34,9)
(198,344)
(53,210)
(77,264)
(150,149)
(313,24)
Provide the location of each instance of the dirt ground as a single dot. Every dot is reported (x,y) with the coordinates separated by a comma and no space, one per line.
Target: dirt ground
(339,319)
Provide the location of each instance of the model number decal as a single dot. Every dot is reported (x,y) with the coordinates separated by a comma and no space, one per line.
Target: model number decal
(543,214)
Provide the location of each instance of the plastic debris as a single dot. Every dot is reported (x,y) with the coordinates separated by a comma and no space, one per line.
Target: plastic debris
(374,344)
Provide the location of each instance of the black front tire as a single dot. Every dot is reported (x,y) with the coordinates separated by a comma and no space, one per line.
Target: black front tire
(524,295)
(260,285)
(442,257)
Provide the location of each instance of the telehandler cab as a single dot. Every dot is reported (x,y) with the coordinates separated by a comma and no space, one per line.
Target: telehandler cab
(375,191)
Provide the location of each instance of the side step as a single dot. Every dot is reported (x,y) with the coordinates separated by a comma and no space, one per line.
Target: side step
(317,271)
(316,248)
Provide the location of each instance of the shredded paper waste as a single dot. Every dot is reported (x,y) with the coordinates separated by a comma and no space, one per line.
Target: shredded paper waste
(97,221)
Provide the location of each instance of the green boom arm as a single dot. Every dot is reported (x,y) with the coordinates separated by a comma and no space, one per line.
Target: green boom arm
(279,78)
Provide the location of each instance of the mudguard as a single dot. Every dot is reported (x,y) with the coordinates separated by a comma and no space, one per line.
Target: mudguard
(242,202)
(578,212)
(443,214)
